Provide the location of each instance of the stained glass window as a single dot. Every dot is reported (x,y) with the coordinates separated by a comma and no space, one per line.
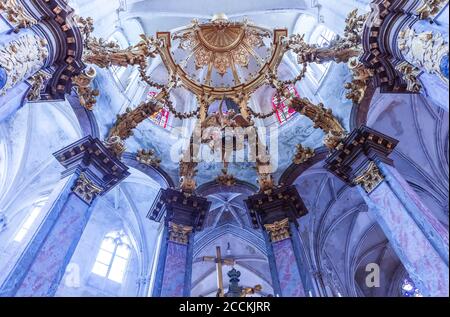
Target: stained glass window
(282,111)
(112,258)
(161,118)
(408,289)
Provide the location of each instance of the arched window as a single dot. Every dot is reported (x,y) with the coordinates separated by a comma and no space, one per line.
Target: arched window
(29,221)
(322,36)
(112,258)
(282,111)
(160,118)
(408,289)
(118,71)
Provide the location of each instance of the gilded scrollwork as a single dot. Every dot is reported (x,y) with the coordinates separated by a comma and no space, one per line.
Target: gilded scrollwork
(130,119)
(221,44)
(105,54)
(322,118)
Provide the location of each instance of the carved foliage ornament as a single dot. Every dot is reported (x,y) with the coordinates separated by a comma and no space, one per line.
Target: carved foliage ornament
(279,230)
(370,178)
(424,50)
(37,84)
(429,8)
(86,189)
(17,14)
(179,233)
(21,59)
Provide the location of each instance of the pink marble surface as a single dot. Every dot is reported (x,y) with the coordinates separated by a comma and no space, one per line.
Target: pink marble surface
(174,270)
(48,266)
(421,260)
(427,214)
(290,281)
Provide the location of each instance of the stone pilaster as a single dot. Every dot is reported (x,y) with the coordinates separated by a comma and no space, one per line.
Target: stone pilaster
(183,215)
(417,237)
(277,212)
(90,172)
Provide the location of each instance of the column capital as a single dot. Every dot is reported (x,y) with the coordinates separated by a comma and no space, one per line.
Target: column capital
(354,162)
(279,230)
(179,208)
(98,169)
(283,202)
(179,233)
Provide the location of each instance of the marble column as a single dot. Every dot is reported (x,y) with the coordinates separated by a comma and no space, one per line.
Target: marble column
(184,215)
(418,238)
(90,171)
(277,212)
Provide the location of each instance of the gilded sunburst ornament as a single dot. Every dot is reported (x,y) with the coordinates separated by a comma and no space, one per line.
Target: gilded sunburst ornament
(222,45)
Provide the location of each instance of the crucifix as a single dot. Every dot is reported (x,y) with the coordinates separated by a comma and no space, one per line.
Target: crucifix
(219,262)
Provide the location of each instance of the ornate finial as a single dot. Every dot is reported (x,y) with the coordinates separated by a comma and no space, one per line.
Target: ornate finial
(226,179)
(361,77)
(303,154)
(219,17)
(116,145)
(265,178)
(87,96)
(187,173)
(148,157)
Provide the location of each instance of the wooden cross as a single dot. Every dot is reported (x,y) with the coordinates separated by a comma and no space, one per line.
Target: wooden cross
(219,262)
